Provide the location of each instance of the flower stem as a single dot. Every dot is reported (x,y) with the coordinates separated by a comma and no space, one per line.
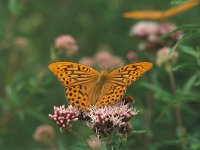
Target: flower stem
(177,107)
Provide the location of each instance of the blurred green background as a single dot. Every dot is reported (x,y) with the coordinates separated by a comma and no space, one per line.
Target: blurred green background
(28,91)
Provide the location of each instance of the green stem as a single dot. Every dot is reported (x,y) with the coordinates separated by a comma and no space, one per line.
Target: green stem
(177,107)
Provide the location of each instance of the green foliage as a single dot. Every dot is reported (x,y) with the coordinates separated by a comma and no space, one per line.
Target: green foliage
(167,97)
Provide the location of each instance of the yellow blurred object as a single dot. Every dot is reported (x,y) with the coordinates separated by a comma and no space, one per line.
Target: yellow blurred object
(161,15)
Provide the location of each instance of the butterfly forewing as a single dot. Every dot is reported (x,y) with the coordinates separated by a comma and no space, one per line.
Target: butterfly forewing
(78,80)
(124,76)
(71,74)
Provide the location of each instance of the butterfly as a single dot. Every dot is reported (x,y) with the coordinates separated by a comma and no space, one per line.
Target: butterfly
(161,15)
(85,86)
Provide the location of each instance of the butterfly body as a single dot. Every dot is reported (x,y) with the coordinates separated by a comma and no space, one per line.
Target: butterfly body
(86,87)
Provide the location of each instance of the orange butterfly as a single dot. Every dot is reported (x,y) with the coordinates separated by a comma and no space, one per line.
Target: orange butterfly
(86,87)
(161,15)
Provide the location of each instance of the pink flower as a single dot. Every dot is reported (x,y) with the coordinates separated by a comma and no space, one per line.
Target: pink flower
(169,27)
(131,56)
(44,133)
(88,61)
(105,119)
(102,56)
(21,42)
(166,27)
(151,32)
(64,116)
(144,29)
(66,42)
(107,60)
(163,56)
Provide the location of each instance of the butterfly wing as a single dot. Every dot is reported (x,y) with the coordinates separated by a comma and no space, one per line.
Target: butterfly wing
(126,75)
(77,78)
(119,80)
(111,93)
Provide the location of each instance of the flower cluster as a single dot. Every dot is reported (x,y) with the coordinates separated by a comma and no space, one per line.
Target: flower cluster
(67,44)
(131,56)
(44,133)
(109,118)
(64,46)
(151,32)
(164,56)
(103,58)
(63,116)
(104,120)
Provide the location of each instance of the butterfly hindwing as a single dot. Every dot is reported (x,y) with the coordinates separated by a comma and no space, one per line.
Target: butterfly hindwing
(127,74)
(111,94)
(77,97)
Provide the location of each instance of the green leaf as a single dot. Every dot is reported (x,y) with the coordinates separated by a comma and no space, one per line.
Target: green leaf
(184,66)
(190,83)
(139,131)
(188,50)
(187,37)
(103,146)
(15,7)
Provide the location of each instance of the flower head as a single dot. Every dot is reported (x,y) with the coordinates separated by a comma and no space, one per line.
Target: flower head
(163,56)
(152,33)
(64,116)
(44,133)
(67,43)
(107,60)
(131,56)
(169,27)
(88,61)
(103,120)
(144,29)
(21,42)
(108,118)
